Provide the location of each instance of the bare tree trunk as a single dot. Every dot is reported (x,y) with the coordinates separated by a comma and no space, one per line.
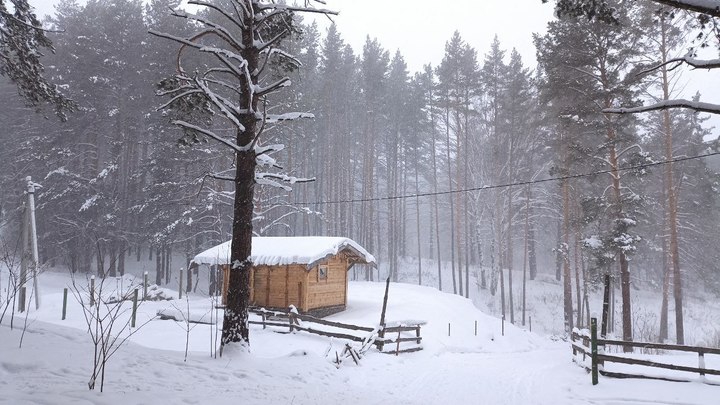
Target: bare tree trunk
(667,272)
(436,204)
(450,197)
(558,253)
(121,258)
(579,295)
(567,277)
(167,254)
(158,268)
(672,199)
(525,250)
(112,268)
(417,218)
(510,253)
(235,320)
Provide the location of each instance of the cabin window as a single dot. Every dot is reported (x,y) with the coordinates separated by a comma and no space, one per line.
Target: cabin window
(322,272)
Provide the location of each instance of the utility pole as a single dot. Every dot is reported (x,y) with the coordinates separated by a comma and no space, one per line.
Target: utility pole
(33,237)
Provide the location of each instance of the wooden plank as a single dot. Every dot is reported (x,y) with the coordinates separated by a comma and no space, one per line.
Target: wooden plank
(330,334)
(267,288)
(400,328)
(266,323)
(648,363)
(252,285)
(660,346)
(287,286)
(582,349)
(410,350)
(301,306)
(345,279)
(398,340)
(308,318)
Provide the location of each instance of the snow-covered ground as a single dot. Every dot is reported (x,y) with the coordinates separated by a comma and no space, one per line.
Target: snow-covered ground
(54,363)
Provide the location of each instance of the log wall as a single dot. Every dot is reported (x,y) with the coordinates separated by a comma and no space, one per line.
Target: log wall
(285,285)
(330,291)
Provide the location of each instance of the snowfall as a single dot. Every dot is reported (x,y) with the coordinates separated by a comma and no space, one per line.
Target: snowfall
(47,360)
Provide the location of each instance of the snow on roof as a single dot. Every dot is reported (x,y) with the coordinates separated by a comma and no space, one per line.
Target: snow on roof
(273,251)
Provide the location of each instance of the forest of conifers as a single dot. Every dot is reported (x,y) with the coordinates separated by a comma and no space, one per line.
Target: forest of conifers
(478,164)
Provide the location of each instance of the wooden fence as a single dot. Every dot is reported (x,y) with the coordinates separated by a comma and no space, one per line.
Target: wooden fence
(381,337)
(587,345)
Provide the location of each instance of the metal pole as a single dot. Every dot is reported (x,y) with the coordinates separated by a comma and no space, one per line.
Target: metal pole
(22,299)
(33,238)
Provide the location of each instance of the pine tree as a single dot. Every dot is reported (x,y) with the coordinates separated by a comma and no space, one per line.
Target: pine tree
(22,43)
(236,88)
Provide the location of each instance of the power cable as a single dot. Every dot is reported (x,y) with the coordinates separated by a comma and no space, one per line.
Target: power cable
(505,185)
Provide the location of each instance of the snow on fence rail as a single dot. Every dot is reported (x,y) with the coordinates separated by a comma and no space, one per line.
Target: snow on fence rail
(586,343)
(297,322)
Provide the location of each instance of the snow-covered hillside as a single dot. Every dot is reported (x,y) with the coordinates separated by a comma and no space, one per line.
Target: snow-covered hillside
(54,364)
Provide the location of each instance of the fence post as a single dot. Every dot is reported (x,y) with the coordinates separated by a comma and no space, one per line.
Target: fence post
(475,328)
(530,323)
(417,334)
(92,291)
(291,319)
(397,347)
(503,325)
(134,311)
(180,285)
(701,363)
(448,328)
(21,299)
(64,311)
(594,350)
(145,285)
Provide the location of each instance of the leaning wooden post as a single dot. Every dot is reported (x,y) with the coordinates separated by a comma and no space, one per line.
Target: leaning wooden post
(180,285)
(92,291)
(594,350)
(134,311)
(145,285)
(64,311)
(381,334)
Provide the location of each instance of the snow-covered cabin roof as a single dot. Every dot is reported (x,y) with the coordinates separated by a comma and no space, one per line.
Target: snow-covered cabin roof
(273,251)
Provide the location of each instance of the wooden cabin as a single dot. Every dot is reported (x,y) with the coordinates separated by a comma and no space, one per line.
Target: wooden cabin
(310,273)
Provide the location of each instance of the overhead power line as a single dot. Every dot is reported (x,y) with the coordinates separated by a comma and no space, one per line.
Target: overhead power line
(505,185)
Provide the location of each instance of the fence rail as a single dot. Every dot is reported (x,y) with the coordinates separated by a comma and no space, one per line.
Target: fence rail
(586,344)
(380,337)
